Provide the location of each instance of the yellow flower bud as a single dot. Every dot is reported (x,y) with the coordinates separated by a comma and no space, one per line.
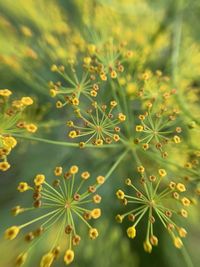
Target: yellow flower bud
(27,101)
(20,260)
(5,92)
(69,256)
(39,179)
(139,128)
(47,260)
(178,242)
(11,232)
(147,246)
(74,169)
(93,233)
(181,187)
(120,194)
(22,187)
(162,172)
(4,166)
(96,213)
(131,232)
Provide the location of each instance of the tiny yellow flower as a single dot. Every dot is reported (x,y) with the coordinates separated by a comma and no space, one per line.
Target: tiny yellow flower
(181,187)
(96,213)
(27,101)
(16,210)
(100,179)
(9,142)
(120,194)
(17,104)
(113,74)
(74,169)
(139,128)
(162,172)
(147,246)
(58,171)
(72,134)
(54,68)
(145,146)
(116,137)
(85,175)
(47,260)
(11,232)
(184,213)
(70,123)
(182,232)
(69,256)
(172,185)
(31,128)
(176,139)
(21,258)
(140,169)
(113,103)
(185,201)
(39,179)
(99,142)
(93,93)
(154,240)
(103,77)
(4,166)
(93,233)
(178,242)
(131,232)
(59,104)
(87,60)
(53,92)
(96,198)
(119,218)
(22,187)
(75,101)
(91,48)
(128,181)
(121,117)
(5,92)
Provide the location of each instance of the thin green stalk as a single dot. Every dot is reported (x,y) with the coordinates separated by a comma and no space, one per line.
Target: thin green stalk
(60,143)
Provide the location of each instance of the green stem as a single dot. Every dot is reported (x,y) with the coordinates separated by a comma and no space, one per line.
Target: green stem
(186,257)
(60,143)
(175,56)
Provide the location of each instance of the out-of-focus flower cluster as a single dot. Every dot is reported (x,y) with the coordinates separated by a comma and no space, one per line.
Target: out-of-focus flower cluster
(11,122)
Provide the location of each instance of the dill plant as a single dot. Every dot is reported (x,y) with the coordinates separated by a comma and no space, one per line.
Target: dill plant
(115,94)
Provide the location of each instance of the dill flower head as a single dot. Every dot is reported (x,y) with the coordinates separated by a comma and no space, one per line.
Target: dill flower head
(72,86)
(156,198)
(157,125)
(11,122)
(192,166)
(63,203)
(107,58)
(99,124)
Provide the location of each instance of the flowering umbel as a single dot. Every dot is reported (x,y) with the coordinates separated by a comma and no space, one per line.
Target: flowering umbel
(62,203)
(11,122)
(100,125)
(156,199)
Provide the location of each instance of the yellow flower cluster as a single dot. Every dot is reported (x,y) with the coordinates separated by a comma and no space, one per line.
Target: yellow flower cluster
(11,122)
(154,200)
(61,203)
